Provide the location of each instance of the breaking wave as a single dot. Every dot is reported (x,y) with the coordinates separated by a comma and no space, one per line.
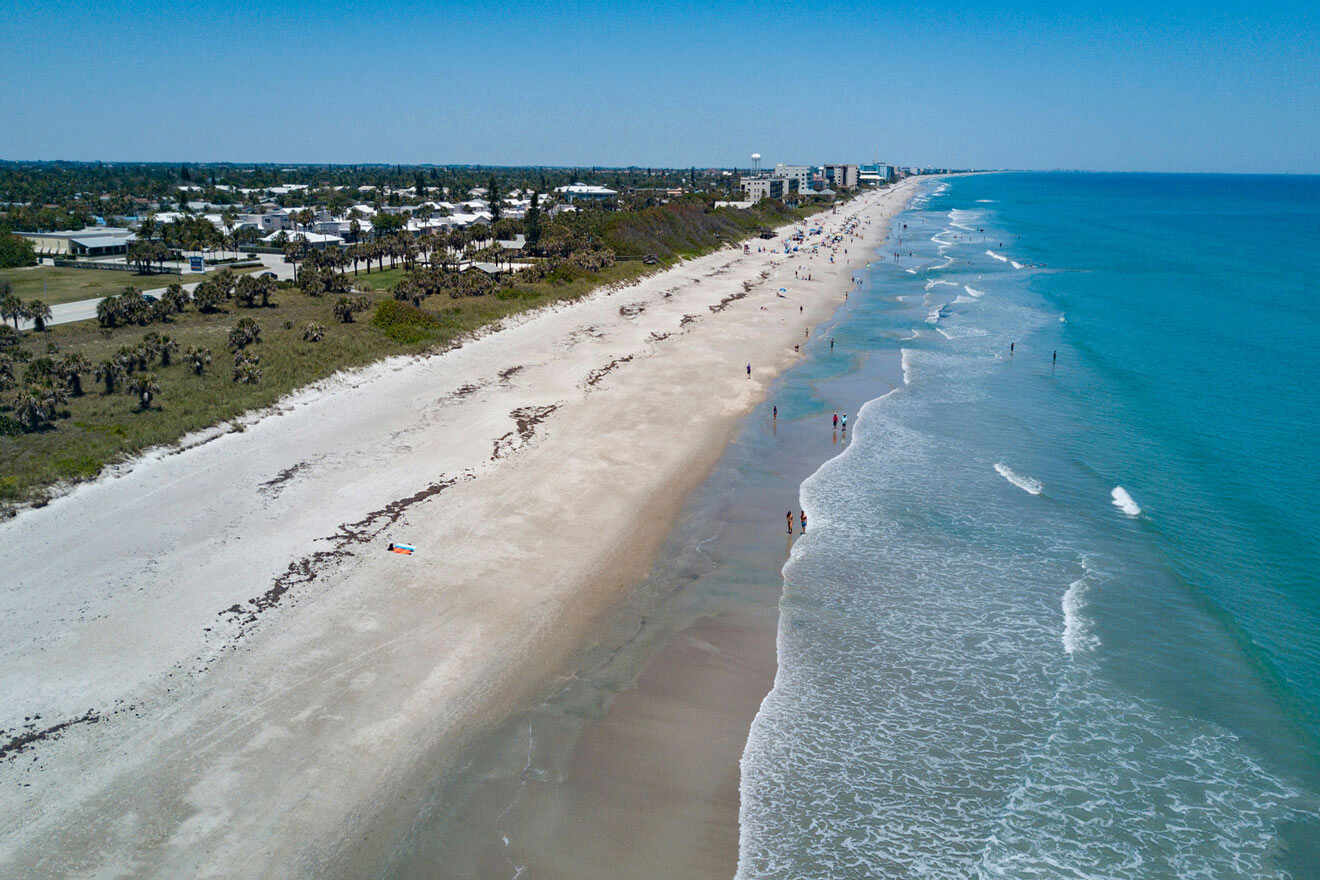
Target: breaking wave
(1123,501)
(1027,484)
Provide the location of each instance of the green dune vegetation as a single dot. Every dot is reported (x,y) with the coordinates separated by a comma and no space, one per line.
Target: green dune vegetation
(76,397)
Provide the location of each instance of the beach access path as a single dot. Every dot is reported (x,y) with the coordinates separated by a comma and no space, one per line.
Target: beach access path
(211,666)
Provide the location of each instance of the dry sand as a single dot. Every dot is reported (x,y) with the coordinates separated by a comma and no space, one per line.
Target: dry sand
(254,682)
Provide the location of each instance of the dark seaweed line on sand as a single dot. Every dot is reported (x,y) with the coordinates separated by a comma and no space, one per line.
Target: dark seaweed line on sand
(299,573)
(594,377)
(525,420)
(18,742)
(308,568)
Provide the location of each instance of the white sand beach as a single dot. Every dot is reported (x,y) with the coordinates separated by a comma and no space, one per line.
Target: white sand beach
(248,679)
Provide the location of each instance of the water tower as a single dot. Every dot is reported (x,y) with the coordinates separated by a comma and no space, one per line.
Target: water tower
(756,163)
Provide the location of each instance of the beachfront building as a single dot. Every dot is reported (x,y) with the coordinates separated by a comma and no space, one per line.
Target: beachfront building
(93,241)
(757,188)
(800,173)
(583,192)
(841,177)
(876,173)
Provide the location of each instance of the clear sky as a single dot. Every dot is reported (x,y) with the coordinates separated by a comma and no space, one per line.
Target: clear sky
(1121,85)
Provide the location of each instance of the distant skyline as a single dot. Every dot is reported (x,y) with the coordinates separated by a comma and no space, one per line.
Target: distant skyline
(1124,87)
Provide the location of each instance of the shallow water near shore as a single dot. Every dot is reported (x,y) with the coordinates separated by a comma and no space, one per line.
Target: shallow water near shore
(1060,619)
(689,652)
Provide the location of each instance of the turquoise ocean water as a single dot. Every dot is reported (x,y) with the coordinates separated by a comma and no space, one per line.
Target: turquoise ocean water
(1061,620)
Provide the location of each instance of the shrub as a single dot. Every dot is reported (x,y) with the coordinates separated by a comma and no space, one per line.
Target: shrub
(313,332)
(405,323)
(245,333)
(247,369)
(346,307)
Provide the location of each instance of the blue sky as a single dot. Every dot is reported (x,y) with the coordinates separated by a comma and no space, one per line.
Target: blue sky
(1117,86)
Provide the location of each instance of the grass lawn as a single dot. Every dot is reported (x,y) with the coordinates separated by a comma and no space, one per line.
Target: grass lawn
(56,284)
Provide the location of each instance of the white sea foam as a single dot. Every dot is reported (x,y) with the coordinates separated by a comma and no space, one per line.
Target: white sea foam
(972,291)
(1123,501)
(996,256)
(1077,634)
(911,271)
(906,360)
(1027,484)
(1015,264)
(962,300)
(937,283)
(985,201)
(942,332)
(940,311)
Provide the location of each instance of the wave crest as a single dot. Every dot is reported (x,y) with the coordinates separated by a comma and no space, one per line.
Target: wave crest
(1124,502)
(1030,485)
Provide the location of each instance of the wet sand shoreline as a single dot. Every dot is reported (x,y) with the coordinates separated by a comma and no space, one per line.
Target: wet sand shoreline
(632,767)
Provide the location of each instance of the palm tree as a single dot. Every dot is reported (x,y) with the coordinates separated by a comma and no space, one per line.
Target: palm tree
(145,387)
(175,296)
(70,369)
(267,282)
(246,290)
(166,349)
(36,406)
(38,313)
(229,217)
(207,296)
(110,372)
(108,312)
(197,358)
(11,307)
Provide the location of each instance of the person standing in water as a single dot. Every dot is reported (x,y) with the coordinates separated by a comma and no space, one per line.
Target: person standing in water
(1011,346)
(845,423)
(790,522)
(1055,361)
(749,369)
(776,412)
(832,341)
(804,522)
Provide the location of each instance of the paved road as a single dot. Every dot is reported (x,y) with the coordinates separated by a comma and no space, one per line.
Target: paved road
(85,309)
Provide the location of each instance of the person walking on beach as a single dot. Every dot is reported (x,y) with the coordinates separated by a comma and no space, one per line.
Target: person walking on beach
(804,522)
(845,296)
(845,423)
(776,412)
(749,369)
(790,522)
(836,418)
